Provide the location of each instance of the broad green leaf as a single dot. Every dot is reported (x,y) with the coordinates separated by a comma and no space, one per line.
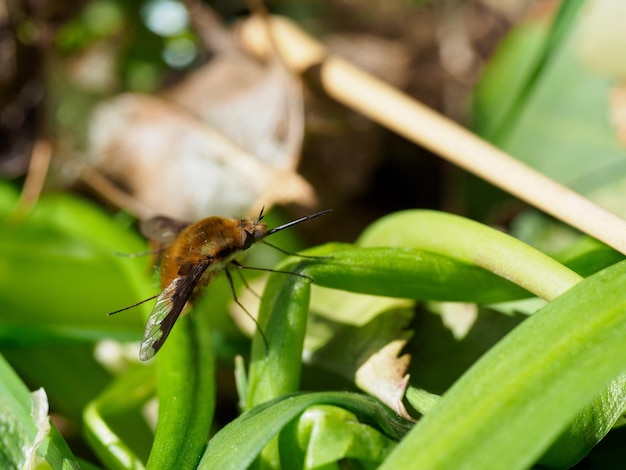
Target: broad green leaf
(395,272)
(589,427)
(406,273)
(26,432)
(237,445)
(70,374)
(530,386)
(475,244)
(62,274)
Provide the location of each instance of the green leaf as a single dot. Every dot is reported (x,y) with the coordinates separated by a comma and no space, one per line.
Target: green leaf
(238,444)
(530,386)
(25,427)
(70,374)
(324,435)
(62,274)
(588,256)
(476,245)
(421,400)
(114,429)
(536,49)
(554,97)
(275,370)
(558,115)
(399,272)
(396,272)
(408,273)
(186,391)
(589,427)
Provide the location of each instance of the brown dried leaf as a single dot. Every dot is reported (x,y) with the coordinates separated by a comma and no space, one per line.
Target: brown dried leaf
(258,107)
(223,140)
(180,167)
(384,376)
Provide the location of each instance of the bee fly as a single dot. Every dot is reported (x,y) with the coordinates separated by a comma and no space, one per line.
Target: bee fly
(194,254)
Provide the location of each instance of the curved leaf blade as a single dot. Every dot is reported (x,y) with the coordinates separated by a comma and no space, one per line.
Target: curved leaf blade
(237,445)
(531,385)
(473,243)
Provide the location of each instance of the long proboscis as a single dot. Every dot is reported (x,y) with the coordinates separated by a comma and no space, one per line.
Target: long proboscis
(297,221)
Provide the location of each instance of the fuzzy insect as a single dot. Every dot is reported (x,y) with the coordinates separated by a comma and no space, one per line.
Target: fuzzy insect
(194,254)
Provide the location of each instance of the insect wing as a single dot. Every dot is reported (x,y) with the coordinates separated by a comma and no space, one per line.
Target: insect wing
(161,229)
(167,309)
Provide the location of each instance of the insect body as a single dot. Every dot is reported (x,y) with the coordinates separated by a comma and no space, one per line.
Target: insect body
(197,254)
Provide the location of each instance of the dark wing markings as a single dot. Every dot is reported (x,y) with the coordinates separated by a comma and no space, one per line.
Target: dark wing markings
(167,309)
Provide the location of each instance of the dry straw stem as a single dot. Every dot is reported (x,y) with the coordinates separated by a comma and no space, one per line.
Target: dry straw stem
(409,118)
(35,178)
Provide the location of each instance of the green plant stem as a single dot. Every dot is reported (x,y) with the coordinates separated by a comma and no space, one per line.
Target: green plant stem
(186,392)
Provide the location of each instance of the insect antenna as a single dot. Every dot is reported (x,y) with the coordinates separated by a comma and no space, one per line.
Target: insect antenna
(232,289)
(134,305)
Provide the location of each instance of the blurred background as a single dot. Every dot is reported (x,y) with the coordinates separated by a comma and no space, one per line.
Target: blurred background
(129,94)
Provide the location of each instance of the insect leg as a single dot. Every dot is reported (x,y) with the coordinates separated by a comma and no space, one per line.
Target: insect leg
(243,279)
(232,289)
